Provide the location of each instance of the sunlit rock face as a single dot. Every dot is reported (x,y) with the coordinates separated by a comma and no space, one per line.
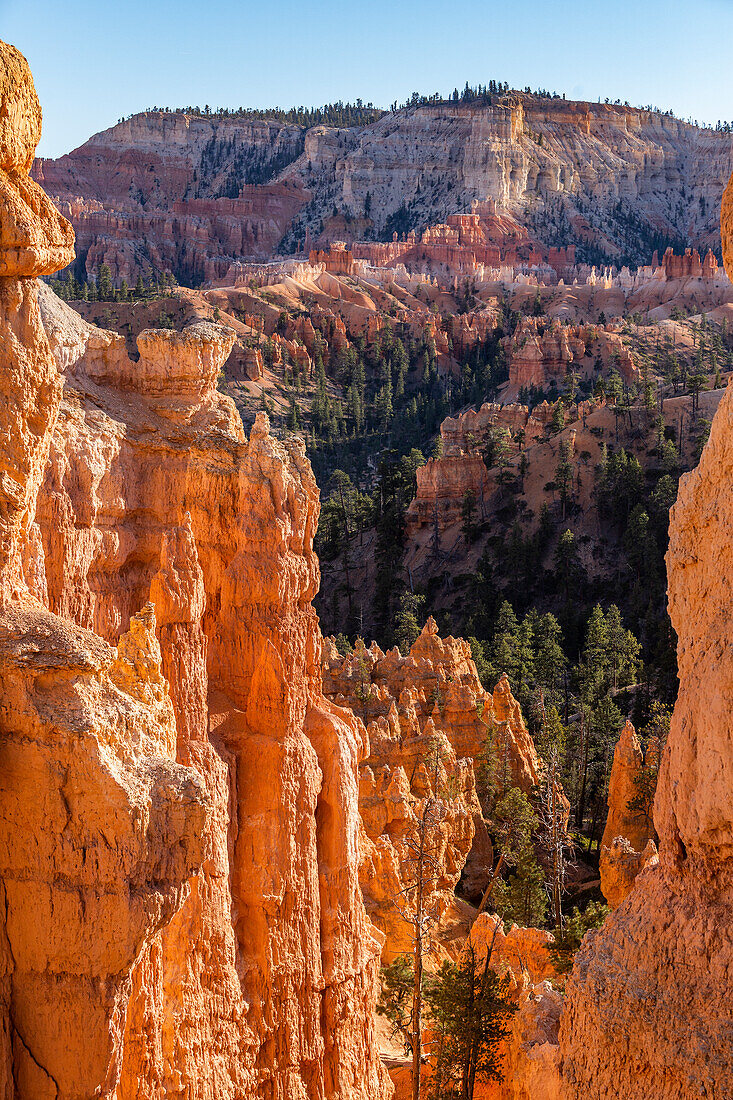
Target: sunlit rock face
(226,188)
(179,829)
(428,720)
(627,845)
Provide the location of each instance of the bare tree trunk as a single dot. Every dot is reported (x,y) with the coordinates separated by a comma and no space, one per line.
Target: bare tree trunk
(417,967)
(416,1017)
(585,751)
(490,886)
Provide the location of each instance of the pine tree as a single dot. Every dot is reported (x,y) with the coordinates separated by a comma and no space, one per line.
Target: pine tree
(622,649)
(506,633)
(470,1012)
(407,627)
(550,661)
(576,926)
(567,564)
(105,290)
(593,669)
(564,475)
(468,516)
(521,896)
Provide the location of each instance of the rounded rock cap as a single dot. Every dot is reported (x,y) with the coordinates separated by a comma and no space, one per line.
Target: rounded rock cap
(20,111)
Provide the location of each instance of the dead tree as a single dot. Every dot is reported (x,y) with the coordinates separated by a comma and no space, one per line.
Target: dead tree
(421,871)
(552,834)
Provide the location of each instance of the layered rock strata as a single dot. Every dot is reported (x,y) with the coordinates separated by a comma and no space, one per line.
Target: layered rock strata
(431,696)
(223,188)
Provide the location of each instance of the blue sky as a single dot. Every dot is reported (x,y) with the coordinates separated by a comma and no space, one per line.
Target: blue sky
(94,62)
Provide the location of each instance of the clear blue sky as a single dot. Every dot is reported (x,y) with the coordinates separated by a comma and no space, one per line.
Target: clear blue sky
(97,60)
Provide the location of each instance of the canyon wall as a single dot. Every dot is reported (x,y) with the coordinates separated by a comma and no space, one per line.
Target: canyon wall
(647,1010)
(179,829)
(194,194)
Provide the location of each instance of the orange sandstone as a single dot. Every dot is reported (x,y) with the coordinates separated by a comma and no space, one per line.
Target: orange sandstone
(627,844)
(179,829)
(433,693)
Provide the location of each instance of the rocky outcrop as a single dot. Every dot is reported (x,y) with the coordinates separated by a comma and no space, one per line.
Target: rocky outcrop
(443,684)
(433,696)
(101,830)
(411,774)
(648,1010)
(620,864)
(519,950)
(627,845)
(531,1063)
(442,485)
(179,829)
(152,488)
(410,777)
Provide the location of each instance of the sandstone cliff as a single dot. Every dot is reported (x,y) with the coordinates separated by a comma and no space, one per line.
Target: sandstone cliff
(179,868)
(431,696)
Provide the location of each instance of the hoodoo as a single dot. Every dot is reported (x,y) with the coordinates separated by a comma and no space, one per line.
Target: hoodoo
(181,908)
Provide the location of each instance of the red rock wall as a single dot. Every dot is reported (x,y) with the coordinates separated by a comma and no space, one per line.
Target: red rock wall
(101,830)
(218,531)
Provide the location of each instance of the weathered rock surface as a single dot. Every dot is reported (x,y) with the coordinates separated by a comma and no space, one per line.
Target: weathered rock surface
(152,488)
(627,845)
(648,1010)
(441,675)
(179,823)
(413,775)
(101,830)
(408,703)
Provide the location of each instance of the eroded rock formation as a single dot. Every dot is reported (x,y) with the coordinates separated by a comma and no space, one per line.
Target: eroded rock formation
(538,352)
(627,845)
(411,776)
(179,825)
(443,684)
(431,696)
(227,187)
(100,829)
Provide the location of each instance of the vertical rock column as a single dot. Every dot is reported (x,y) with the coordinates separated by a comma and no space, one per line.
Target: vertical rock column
(100,830)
